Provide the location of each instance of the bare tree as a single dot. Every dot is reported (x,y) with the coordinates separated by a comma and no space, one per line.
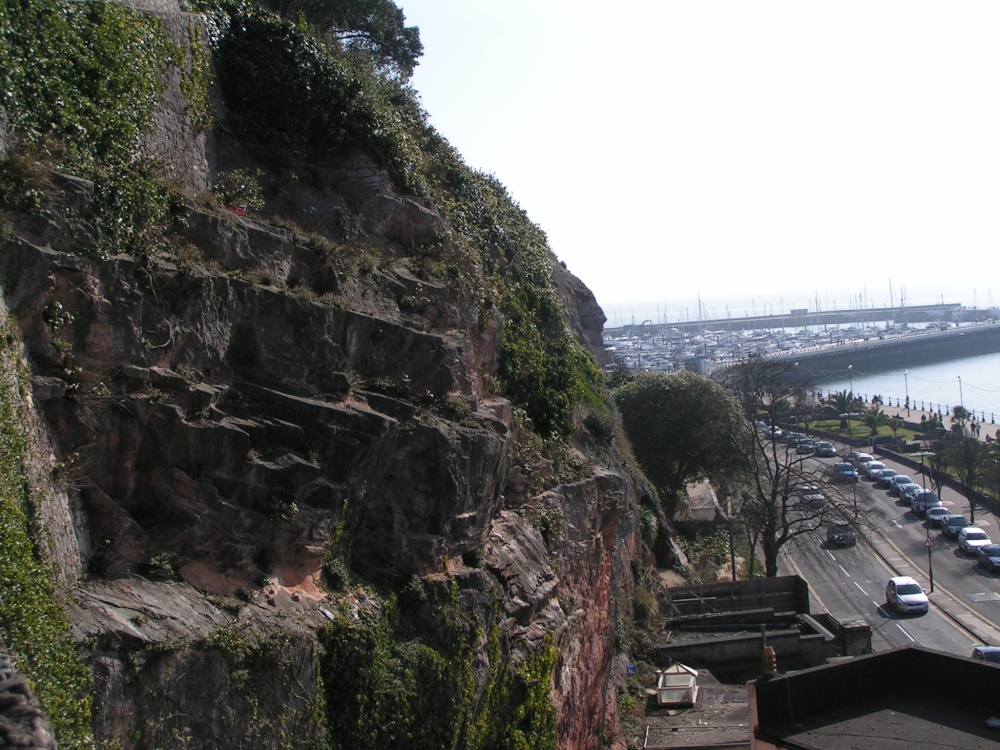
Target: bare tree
(969,459)
(783,494)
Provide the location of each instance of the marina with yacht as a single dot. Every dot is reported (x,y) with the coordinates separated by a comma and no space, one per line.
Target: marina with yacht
(820,342)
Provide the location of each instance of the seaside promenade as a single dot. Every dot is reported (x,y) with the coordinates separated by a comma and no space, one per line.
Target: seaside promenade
(985,427)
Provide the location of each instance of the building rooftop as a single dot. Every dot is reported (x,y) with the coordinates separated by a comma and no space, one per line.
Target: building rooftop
(719,719)
(909,697)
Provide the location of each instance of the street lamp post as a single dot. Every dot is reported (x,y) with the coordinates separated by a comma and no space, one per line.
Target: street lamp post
(906,386)
(850,429)
(928,542)
(961,400)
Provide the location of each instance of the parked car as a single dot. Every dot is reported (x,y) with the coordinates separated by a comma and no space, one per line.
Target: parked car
(840,532)
(971,538)
(989,557)
(987,653)
(907,491)
(904,595)
(870,466)
(805,446)
(845,472)
(884,478)
(774,432)
(923,497)
(924,508)
(860,459)
(825,449)
(953,524)
(811,495)
(936,515)
(898,481)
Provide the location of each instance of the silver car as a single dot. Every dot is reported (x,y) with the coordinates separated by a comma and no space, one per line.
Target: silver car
(905,595)
(870,467)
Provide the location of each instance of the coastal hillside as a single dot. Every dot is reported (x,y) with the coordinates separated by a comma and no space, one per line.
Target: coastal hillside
(306,440)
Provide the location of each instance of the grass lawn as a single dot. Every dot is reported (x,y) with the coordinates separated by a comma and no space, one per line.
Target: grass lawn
(859,430)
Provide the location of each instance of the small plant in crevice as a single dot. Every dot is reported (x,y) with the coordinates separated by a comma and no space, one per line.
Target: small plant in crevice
(139,619)
(336,574)
(601,428)
(277,509)
(454,405)
(241,189)
(160,567)
(189,373)
(156,396)
(550,522)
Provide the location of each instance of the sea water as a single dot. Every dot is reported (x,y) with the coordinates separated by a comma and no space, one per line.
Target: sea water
(972,382)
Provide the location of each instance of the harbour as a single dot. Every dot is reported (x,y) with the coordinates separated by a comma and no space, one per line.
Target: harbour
(938,363)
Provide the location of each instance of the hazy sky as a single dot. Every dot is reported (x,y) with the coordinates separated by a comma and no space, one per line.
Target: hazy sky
(797,150)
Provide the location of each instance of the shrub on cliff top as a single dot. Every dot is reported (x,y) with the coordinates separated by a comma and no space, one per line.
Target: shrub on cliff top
(84,74)
(79,81)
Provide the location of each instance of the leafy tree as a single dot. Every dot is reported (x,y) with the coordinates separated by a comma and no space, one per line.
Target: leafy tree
(959,418)
(970,459)
(992,471)
(772,476)
(376,27)
(842,402)
(874,418)
(681,426)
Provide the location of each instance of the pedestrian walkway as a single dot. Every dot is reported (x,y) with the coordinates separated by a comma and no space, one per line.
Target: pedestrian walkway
(984,431)
(984,427)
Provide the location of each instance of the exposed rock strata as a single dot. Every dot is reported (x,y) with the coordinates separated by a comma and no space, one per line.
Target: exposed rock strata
(228,420)
(225,426)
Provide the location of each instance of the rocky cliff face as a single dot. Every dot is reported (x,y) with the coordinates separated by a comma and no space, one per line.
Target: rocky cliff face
(249,437)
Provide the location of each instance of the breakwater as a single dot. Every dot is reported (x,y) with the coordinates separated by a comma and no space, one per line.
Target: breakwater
(897,353)
(947,312)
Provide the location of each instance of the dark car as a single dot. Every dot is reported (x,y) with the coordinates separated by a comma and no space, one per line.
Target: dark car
(884,478)
(953,524)
(936,516)
(989,557)
(845,472)
(987,653)
(825,449)
(840,532)
(925,498)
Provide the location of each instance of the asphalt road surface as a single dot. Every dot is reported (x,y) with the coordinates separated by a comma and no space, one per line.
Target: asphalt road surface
(849,582)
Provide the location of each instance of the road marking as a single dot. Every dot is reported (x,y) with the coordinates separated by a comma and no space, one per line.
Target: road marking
(831,555)
(860,589)
(896,523)
(903,631)
(843,571)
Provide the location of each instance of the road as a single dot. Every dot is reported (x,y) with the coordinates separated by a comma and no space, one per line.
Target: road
(849,582)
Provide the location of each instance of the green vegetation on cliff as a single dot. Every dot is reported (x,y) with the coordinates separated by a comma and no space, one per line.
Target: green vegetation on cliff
(398,676)
(291,94)
(79,82)
(33,622)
